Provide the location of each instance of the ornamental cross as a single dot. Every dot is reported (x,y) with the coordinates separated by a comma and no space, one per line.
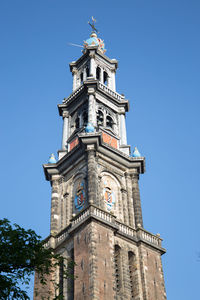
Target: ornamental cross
(92,25)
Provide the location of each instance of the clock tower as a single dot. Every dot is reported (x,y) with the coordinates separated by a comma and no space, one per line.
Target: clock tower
(96,215)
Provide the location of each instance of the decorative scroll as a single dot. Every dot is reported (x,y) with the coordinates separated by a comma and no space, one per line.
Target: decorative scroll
(111,141)
(73,144)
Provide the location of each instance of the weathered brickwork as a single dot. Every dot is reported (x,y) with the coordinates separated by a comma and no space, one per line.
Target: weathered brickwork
(47,291)
(93,252)
(152,274)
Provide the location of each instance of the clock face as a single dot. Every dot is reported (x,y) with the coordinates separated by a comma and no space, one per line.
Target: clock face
(80,196)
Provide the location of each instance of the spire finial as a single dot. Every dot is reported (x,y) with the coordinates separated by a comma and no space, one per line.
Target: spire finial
(92,25)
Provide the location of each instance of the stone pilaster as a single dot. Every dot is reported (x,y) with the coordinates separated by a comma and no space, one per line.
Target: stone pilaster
(92,65)
(55,205)
(125,207)
(84,74)
(91,107)
(129,200)
(92,175)
(74,73)
(123,137)
(113,84)
(136,200)
(65,129)
(101,75)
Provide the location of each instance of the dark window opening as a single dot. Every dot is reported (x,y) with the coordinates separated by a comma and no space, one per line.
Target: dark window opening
(99,118)
(117,268)
(77,123)
(131,265)
(85,118)
(105,78)
(109,122)
(87,72)
(81,78)
(98,71)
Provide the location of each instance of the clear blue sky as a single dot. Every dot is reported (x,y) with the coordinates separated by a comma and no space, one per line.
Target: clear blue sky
(157,44)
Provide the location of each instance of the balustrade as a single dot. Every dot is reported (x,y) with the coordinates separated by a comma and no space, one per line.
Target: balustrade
(109,91)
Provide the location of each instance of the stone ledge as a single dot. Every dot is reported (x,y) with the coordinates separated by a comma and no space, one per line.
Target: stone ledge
(138,235)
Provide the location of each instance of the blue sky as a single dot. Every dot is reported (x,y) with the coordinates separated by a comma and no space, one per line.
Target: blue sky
(157,44)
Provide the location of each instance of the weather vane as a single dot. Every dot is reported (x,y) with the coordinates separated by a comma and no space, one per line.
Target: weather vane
(92,25)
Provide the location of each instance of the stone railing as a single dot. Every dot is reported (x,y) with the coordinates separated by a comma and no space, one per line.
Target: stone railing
(102,214)
(110,92)
(73,94)
(138,234)
(149,237)
(81,217)
(61,236)
(47,243)
(126,229)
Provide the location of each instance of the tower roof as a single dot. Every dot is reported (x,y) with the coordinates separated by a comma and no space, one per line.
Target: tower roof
(95,41)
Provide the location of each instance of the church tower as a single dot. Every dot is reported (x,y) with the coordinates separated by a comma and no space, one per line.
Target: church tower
(96,215)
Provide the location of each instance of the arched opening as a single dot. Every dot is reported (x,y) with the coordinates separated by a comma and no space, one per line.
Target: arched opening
(105,78)
(109,122)
(77,122)
(87,72)
(85,118)
(117,262)
(81,77)
(131,266)
(98,71)
(100,118)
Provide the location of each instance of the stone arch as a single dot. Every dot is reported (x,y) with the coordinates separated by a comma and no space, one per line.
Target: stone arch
(110,189)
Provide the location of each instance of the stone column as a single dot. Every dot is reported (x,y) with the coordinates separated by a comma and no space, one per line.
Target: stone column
(129,200)
(55,205)
(123,129)
(91,107)
(136,200)
(124,205)
(65,129)
(84,74)
(92,65)
(92,175)
(113,87)
(109,82)
(101,76)
(74,73)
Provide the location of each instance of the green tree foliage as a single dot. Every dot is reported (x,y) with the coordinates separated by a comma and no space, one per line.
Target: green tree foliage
(21,254)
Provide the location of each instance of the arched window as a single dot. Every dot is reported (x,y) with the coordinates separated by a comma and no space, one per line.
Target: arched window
(87,72)
(77,122)
(85,118)
(100,118)
(109,122)
(117,262)
(131,266)
(81,77)
(98,71)
(105,78)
